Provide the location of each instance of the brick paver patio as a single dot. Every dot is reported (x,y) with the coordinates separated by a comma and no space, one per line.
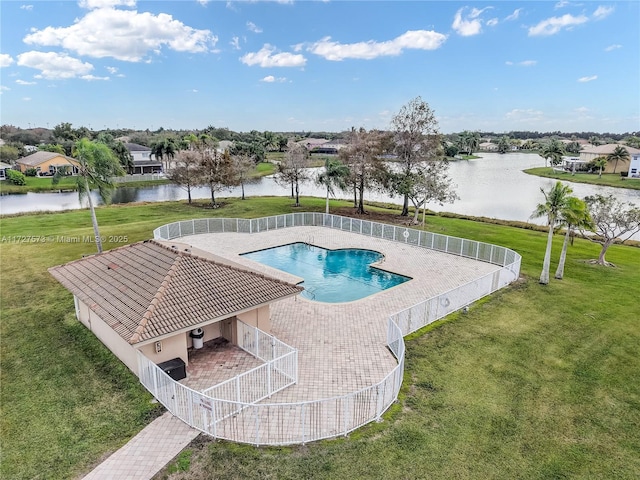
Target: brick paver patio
(342,347)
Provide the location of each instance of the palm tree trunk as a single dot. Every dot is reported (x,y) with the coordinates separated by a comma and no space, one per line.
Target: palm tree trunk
(94,219)
(297,195)
(327,209)
(242,186)
(544,276)
(563,255)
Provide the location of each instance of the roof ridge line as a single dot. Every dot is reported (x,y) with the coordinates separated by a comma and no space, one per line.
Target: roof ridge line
(155,301)
(231,267)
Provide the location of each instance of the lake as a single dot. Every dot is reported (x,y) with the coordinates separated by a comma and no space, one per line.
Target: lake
(493,186)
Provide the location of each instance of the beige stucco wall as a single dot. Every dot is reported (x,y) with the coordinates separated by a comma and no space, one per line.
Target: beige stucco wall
(114,342)
(44,166)
(260,318)
(210,332)
(172,347)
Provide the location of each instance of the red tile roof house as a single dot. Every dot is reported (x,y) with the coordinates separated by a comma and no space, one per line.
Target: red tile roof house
(148,297)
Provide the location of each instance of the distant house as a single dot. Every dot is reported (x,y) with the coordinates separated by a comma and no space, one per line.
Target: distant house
(634,166)
(3,170)
(149,297)
(331,147)
(488,147)
(311,143)
(48,163)
(143,160)
(590,152)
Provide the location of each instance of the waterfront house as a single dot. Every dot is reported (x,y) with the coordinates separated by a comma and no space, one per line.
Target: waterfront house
(590,153)
(143,160)
(48,163)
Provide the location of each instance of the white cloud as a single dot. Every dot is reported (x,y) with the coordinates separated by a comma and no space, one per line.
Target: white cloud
(582,110)
(272,79)
(235,43)
(124,35)
(24,82)
(26,99)
(610,48)
(95,4)
(602,12)
(524,63)
(93,77)
(514,15)
(112,70)
(5,60)
(203,2)
(26,7)
(492,22)
(412,39)
(4,88)
(470,24)
(524,115)
(553,25)
(266,58)
(253,27)
(53,65)
(588,79)
(561,4)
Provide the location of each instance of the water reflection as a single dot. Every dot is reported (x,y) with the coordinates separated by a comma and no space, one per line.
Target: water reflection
(494,186)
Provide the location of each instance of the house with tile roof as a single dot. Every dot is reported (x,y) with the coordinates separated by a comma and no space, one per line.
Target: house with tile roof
(47,163)
(149,296)
(143,160)
(590,152)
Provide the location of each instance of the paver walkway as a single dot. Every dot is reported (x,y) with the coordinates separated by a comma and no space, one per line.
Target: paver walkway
(148,452)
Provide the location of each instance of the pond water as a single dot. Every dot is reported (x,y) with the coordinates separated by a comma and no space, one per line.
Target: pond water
(493,186)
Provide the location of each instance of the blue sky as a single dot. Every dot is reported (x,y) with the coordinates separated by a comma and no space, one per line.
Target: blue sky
(320,65)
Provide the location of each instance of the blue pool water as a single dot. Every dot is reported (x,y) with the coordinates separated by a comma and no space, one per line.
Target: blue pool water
(331,276)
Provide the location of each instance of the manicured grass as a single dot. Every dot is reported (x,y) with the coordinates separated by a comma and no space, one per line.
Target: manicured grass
(44,184)
(608,179)
(262,169)
(533,382)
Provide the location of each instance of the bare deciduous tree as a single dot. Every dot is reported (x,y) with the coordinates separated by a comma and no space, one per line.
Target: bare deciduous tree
(415,140)
(293,169)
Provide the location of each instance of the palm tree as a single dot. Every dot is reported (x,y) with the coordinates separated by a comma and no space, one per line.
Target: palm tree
(334,175)
(619,154)
(600,162)
(98,165)
(554,150)
(575,214)
(555,201)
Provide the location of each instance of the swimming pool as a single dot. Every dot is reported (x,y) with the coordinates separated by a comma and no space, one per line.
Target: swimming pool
(331,276)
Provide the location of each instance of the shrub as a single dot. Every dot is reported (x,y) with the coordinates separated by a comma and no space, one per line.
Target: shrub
(15,177)
(31,172)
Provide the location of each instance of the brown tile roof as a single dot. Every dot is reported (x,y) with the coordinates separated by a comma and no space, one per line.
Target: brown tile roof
(37,158)
(146,290)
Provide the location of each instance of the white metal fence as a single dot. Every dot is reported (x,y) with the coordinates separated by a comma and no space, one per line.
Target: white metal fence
(139,177)
(230,410)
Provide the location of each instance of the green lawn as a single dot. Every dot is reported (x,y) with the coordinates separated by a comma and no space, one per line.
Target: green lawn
(533,382)
(44,184)
(608,179)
